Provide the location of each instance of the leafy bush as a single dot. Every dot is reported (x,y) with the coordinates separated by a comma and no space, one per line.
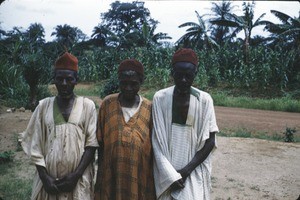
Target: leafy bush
(111,86)
(289,134)
(6,156)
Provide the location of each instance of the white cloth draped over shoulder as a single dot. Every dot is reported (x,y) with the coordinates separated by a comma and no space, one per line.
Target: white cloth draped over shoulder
(59,147)
(175,145)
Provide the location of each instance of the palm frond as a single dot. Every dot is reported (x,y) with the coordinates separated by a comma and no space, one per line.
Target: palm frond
(225,23)
(188,24)
(258,21)
(284,18)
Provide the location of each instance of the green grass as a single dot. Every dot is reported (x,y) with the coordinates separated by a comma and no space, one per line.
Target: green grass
(285,104)
(89,91)
(244,133)
(11,186)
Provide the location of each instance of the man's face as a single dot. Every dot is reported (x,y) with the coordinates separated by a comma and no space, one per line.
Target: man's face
(65,81)
(184,74)
(129,84)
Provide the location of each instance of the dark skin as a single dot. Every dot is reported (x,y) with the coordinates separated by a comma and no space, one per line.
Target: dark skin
(129,84)
(65,81)
(183,74)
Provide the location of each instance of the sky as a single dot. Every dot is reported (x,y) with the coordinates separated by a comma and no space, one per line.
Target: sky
(85,14)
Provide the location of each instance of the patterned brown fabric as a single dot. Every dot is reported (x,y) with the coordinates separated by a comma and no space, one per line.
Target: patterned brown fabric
(127,171)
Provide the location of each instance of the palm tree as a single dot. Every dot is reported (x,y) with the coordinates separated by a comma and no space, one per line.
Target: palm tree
(242,23)
(101,35)
(197,35)
(35,34)
(67,35)
(220,34)
(148,38)
(288,30)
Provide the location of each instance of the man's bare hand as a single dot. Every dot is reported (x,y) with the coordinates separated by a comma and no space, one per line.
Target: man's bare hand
(184,174)
(67,183)
(177,185)
(49,184)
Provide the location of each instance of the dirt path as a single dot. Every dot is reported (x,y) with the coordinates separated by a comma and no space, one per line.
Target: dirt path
(256,120)
(242,168)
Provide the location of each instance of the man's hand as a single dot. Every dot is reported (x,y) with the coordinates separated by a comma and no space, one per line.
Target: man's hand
(47,180)
(49,185)
(184,173)
(177,185)
(67,183)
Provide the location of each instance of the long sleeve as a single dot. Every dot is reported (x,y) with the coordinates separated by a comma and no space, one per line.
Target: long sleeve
(33,138)
(164,173)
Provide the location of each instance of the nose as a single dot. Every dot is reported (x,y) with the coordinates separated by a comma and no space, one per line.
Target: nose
(64,82)
(128,87)
(183,79)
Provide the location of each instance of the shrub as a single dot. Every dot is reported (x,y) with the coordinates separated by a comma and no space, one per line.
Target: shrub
(111,86)
(289,134)
(6,156)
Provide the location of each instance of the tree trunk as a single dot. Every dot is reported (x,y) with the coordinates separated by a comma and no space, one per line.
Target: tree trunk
(246,48)
(33,97)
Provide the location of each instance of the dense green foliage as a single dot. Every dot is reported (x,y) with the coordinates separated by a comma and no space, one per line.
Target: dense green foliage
(271,69)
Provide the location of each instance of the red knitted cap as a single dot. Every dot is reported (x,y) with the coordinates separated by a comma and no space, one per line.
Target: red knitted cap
(131,64)
(185,55)
(67,61)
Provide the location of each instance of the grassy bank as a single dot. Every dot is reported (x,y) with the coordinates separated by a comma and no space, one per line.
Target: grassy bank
(285,104)
(244,133)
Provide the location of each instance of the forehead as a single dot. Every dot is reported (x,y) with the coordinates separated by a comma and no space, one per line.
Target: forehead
(64,72)
(184,66)
(129,76)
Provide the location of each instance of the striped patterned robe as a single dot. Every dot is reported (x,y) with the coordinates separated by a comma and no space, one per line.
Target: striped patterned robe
(127,166)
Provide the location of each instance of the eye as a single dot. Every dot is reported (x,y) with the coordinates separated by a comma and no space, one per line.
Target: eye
(180,75)
(70,79)
(59,79)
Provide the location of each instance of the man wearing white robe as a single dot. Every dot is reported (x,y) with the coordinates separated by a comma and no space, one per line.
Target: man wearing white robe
(61,139)
(184,127)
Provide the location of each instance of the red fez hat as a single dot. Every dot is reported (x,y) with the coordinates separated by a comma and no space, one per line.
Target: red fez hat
(67,61)
(185,55)
(131,64)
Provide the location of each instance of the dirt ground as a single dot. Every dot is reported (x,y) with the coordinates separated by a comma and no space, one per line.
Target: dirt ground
(243,168)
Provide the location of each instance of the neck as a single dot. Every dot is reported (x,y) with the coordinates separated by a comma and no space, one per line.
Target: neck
(179,93)
(65,100)
(129,103)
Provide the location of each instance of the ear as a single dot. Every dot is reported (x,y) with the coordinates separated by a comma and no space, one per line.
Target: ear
(196,70)
(142,79)
(172,71)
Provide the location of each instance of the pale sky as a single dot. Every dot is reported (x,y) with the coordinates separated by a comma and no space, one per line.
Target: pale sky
(85,14)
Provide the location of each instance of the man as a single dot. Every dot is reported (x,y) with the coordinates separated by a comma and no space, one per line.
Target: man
(61,139)
(124,132)
(184,127)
